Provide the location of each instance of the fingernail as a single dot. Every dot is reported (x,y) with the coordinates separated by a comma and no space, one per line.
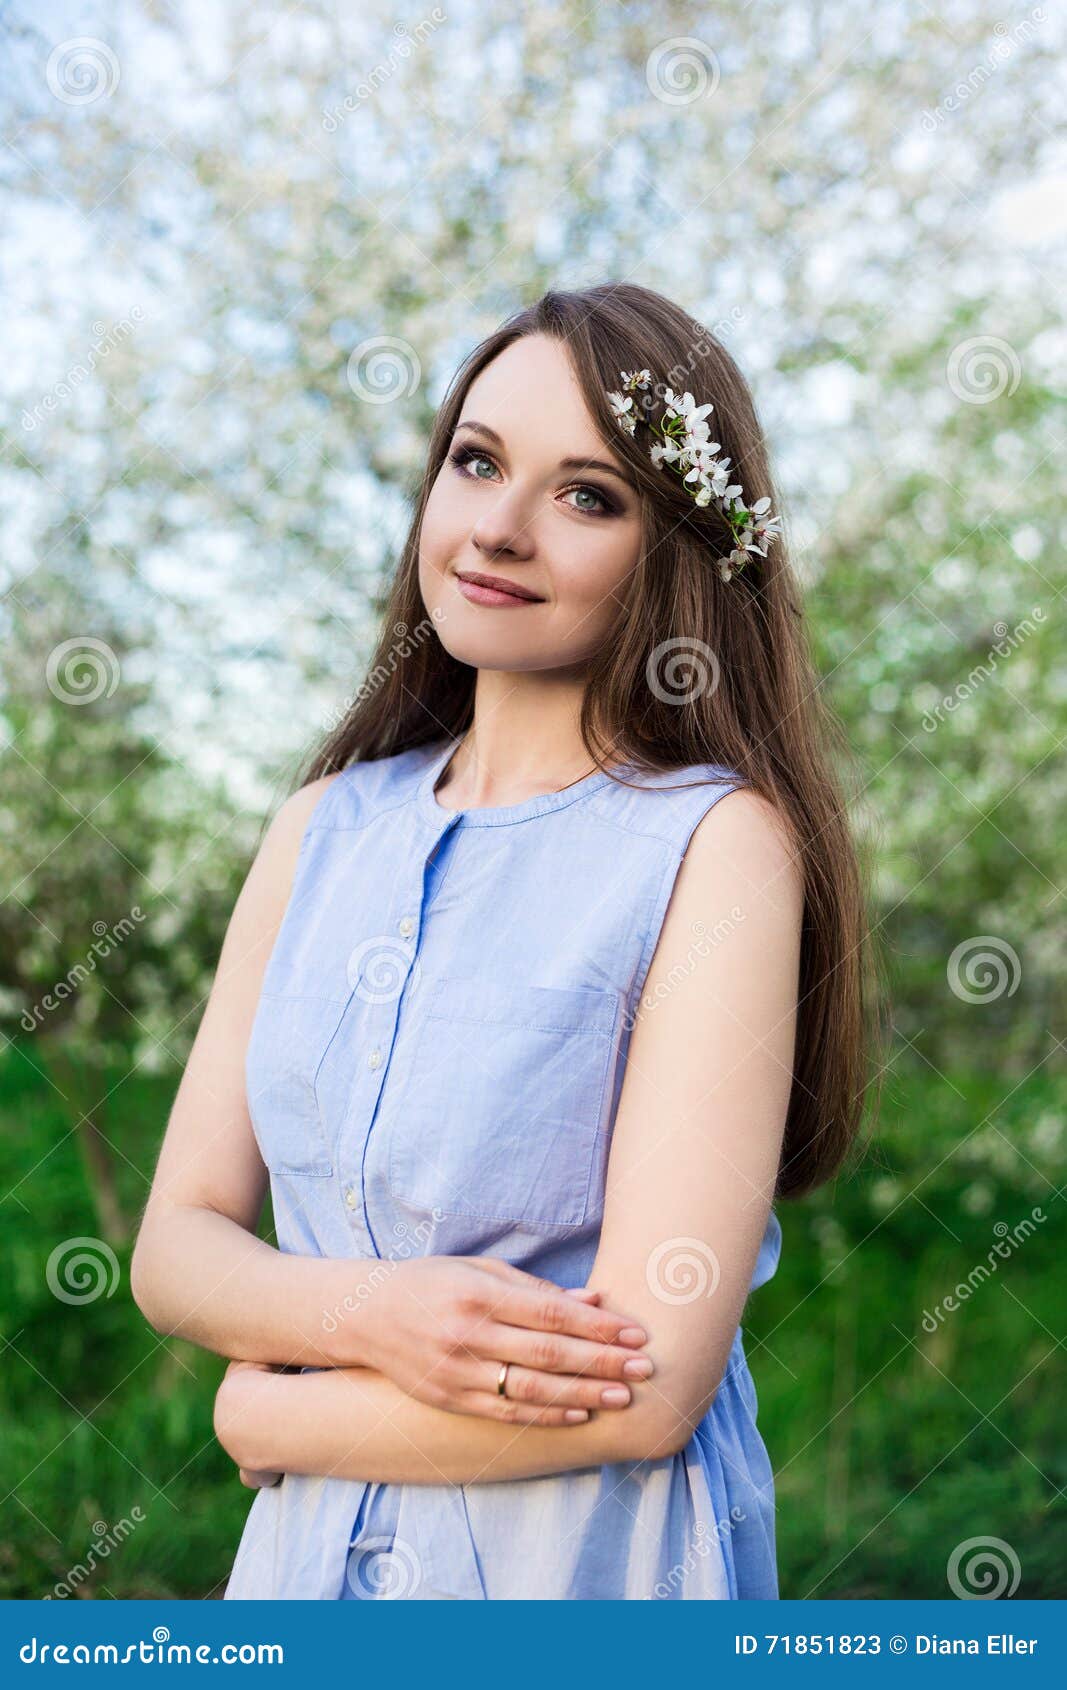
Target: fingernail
(575,1414)
(633,1335)
(615,1394)
(638,1367)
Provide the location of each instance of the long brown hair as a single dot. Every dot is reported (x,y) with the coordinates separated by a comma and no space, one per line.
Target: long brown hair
(763,717)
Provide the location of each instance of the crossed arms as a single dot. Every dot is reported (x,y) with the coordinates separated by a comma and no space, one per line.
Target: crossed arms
(406,1388)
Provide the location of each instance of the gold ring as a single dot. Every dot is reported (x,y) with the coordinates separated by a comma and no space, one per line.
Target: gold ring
(502,1379)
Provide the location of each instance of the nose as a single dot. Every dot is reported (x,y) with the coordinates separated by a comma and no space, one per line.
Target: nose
(504,528)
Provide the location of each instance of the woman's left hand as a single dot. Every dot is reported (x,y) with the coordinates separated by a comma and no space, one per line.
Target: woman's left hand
(255,1479)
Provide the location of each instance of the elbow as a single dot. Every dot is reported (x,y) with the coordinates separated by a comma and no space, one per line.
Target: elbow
(652,1428)
(141,1290)
(230,1422)
(138,1285)
(240,1419)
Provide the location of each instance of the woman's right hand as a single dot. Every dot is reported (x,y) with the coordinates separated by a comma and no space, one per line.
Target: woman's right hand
(442,1325)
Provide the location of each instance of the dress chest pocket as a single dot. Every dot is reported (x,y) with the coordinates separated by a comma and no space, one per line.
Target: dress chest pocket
(499,1114)
(291,1035)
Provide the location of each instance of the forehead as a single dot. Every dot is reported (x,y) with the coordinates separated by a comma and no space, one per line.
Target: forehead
(530,391)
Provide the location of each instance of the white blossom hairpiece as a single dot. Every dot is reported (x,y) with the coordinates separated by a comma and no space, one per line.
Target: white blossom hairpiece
(684,446)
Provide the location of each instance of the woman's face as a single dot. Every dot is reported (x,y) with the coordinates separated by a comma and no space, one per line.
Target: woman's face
(505,504)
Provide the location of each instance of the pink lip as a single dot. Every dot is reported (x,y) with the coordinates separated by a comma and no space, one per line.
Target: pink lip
(479,594)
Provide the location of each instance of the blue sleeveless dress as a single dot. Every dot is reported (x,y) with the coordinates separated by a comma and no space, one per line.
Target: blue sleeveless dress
(434,1069)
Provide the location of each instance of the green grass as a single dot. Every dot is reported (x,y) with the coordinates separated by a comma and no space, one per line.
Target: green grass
(891,1445)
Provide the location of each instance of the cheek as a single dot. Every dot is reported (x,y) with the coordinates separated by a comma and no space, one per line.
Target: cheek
(592,588)
(439,521)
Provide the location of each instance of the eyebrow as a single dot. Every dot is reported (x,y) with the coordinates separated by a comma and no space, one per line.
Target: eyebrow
(564,463)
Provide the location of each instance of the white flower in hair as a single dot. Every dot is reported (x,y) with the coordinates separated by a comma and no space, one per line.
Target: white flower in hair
(689,411)
(684,445)
(624,411)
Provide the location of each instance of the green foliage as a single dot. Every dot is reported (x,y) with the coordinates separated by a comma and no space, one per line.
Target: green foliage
(891,1445)
(213,510)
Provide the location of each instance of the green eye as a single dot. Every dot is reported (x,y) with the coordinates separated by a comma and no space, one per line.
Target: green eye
(466,459)
(463,456)
(601,505)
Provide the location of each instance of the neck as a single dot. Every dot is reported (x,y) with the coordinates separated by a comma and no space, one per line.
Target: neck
(471,783)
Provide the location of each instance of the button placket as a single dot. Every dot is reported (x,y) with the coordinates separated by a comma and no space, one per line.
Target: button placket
(379,1030)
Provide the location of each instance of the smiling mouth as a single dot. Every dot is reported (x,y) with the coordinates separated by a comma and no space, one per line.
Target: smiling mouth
(493,589)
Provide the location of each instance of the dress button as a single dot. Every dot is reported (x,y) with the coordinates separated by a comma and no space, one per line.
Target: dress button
(407,927)
(374,1059)
(350,1197)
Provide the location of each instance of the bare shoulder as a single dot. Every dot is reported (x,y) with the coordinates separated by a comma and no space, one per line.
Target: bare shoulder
(290,823)
(270,878)
(728,953)
(743,850)
(283,839)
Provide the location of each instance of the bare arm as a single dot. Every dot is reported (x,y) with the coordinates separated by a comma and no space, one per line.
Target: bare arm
(198,1270)
(693,1164)
(355,1423)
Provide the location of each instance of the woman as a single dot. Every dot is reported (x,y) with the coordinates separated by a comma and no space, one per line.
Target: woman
(544,984)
